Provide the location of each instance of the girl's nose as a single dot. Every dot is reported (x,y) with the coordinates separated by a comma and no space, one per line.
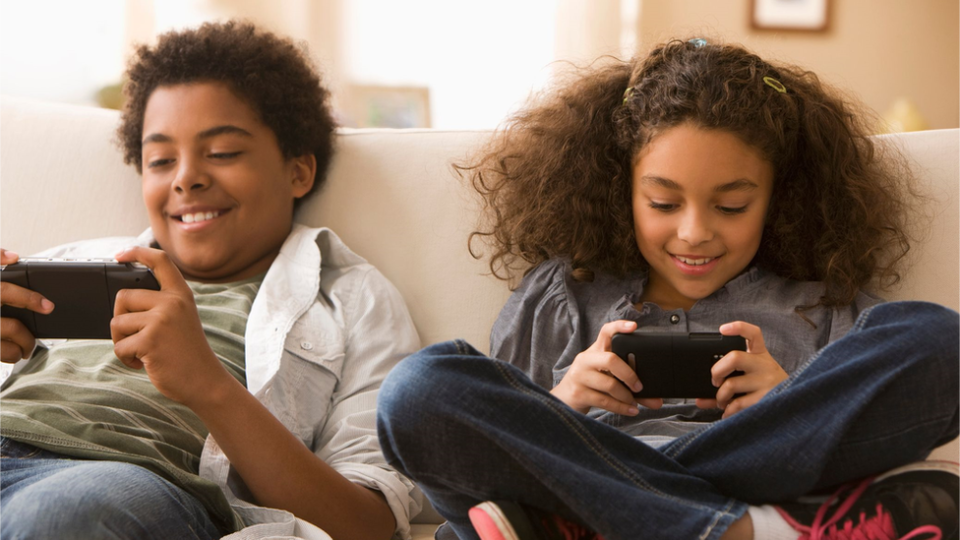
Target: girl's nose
(695,228)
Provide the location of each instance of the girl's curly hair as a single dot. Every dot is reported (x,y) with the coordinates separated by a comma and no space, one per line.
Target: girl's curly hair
(556,179)
(274,76)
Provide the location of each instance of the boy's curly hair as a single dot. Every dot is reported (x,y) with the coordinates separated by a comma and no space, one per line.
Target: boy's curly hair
(274,76)
(556,179)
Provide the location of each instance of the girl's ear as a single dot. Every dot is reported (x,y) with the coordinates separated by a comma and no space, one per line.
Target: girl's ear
(304,174)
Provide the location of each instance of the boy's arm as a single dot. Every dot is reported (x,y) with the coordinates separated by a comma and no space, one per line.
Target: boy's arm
(279,470)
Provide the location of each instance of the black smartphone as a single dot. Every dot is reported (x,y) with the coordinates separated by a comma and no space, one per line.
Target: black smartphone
(675,364)
(83,291)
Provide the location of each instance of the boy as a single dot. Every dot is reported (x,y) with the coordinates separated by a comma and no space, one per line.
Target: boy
(249,380)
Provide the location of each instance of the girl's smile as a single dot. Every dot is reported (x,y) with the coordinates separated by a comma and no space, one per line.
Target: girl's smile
(699,201)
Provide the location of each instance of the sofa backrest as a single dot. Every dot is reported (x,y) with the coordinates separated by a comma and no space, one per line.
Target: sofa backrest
(392,195)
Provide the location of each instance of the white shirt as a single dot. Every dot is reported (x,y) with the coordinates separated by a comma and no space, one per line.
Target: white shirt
(325,329)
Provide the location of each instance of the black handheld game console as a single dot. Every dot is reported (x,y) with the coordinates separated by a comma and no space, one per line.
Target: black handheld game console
(675,364)
(83,291)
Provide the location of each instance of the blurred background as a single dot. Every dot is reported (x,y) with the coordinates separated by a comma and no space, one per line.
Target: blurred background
(452,64)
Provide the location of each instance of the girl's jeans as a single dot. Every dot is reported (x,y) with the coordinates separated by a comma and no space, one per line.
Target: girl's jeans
(467,429)
(48,495)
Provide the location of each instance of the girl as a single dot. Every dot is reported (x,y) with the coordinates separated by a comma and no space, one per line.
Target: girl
(696,189)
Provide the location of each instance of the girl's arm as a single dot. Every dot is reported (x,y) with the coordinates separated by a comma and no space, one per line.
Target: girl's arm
(160,331)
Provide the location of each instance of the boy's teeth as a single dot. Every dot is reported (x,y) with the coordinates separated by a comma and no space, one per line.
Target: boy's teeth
(695,262)
(199,216)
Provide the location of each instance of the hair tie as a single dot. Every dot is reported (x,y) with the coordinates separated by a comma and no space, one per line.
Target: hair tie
(626,94)
(775,84)
(697,42)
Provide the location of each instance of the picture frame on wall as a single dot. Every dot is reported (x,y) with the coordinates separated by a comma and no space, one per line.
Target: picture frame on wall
(791,15)
(397,107)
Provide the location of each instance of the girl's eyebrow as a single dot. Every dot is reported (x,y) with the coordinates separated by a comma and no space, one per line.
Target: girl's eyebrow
(205,134)
(740,184)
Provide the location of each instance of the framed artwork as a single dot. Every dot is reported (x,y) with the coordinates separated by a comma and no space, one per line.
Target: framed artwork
(388,106)
(796,15)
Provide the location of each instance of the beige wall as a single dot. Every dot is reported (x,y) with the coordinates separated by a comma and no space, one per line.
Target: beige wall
(877,50)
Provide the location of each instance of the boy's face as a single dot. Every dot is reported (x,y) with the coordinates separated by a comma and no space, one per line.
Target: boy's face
(217,188)
(699,202)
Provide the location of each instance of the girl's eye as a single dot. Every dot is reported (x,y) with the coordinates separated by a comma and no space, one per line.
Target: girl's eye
(225,155)
(732,211)
(662,207)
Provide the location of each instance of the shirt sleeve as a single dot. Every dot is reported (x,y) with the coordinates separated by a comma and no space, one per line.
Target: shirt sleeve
(844,318)
(537,328)
(379,333)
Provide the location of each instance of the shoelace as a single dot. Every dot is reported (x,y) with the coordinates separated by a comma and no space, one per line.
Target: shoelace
(879,527)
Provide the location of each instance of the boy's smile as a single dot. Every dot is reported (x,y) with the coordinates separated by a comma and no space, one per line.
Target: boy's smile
(699,202)
(217,188)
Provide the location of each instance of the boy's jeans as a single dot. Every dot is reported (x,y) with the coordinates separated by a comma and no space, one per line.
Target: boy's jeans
(467,428)
(47,495)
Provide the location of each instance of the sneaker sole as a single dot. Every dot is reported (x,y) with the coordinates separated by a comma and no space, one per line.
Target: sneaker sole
(949,467)
(491,522)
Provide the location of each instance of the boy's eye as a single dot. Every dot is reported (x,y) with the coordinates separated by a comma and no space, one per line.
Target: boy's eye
(663,207)
(158,163)
(224,155)
(732,210)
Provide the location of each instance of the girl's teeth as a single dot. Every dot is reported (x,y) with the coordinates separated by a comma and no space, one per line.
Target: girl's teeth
(695,262)
(199,216)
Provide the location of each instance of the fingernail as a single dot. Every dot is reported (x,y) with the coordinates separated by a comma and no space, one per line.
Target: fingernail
(12,253)
(632,411)
(626,324)
(46,304)
(637,386)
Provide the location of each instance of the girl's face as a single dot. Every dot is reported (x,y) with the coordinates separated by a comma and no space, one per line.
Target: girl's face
(218,191)
(699,201)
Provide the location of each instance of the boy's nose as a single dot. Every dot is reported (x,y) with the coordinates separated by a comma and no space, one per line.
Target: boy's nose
(189,177)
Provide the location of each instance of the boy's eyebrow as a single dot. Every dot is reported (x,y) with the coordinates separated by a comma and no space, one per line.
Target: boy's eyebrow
(205,134)
(740,184)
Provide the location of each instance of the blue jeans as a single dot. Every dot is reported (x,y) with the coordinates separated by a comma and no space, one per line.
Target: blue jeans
(467,429)
(48,495)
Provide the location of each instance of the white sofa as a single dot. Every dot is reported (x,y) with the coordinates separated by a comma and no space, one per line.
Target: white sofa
(392,196)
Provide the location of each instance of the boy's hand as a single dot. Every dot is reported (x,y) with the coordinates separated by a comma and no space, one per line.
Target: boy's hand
(600,378)
(160,331)
(16,341)
(760,372)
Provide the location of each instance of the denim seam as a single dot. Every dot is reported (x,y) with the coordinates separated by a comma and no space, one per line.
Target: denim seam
(596,447)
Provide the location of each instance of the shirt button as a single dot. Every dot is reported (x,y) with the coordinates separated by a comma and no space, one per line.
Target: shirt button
(674,318)
(306,345)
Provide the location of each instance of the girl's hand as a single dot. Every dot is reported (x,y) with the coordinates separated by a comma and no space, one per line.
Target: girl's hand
(16,341)
(760,372)
(599,378)
(160,331)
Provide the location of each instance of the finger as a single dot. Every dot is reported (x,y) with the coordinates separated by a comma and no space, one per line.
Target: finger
(747,331)
(704,403)
(17,296)
(607,384)
(651,402)
(731,362)
(10,352)
(8,257)
(135,300)
(740,404)
(167,273)
(127,351)
(13,331)
(608,330)
(127,324)
(734,386)
(619,369)
(608,403)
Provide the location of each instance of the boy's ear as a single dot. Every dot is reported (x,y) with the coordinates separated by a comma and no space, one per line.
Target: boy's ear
(304,174)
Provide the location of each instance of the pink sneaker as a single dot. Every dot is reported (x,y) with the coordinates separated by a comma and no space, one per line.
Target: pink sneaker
(504,520)
(915,501)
